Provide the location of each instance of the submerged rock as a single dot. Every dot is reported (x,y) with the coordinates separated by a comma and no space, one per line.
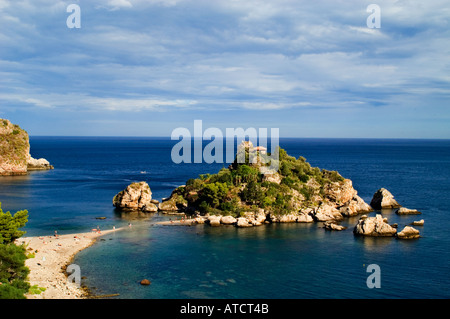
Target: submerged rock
(408,233)
(383,199)
(145,282)
(374,226)
(330,225)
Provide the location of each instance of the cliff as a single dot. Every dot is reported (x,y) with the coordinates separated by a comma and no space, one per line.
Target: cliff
(15,158)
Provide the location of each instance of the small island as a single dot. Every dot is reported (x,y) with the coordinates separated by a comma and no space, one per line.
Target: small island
(246,194)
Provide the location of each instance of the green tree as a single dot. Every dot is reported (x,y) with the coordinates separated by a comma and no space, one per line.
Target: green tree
(252,193)
(13,272)
(9,225)
(213,193)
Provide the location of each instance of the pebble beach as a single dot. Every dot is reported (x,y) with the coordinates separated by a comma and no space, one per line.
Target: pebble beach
(49,257)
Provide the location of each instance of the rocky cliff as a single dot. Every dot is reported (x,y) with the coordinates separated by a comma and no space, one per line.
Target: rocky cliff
(15,158)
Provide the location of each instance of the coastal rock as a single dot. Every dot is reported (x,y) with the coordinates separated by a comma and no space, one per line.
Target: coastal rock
(288,218)
(174,203)
(407,211)
(255,218)
(150,208)
(408,233)
(228,220)
(383,199)
(304,218)
(418,223)
(38,164)
(330,225)
(327,212)
(214,220)
(243,222)
(355,206)
(199,220)
(340,192)
(168,206)
(374,226)
(137,196)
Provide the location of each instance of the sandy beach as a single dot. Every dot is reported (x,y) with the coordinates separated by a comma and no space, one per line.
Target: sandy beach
(51,256)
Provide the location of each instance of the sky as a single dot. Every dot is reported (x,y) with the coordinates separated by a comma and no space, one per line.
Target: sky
(145,68)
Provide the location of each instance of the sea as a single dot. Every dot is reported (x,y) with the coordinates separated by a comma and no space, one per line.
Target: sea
(274,261)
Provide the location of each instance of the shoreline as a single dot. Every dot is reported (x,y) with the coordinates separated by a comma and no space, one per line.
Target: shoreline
(51,257)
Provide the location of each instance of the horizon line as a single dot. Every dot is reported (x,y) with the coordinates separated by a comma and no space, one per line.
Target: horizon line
(281,137)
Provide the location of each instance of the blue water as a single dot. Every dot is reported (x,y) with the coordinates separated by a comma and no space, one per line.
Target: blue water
(272,261)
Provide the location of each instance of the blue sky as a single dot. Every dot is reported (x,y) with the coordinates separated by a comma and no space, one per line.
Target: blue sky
(144,68)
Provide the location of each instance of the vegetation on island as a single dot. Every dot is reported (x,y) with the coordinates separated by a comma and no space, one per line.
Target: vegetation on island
(13,272)
(243,188)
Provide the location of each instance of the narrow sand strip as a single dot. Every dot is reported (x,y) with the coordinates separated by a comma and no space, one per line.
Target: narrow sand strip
(52,255)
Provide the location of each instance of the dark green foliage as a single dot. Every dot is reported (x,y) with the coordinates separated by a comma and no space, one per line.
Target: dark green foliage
(252,193)
(244,174)
(9,225)
(213,194)
(13,272)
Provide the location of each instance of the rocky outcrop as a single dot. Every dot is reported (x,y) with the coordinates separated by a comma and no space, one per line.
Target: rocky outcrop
(354,207)
(228,220)
(243,222)
(383,199)
(407,211)
(168,206)
(418,223)
(326,212)
(38,164)
(214,220)
(15,158)
(408,233)
(374,226)
(137,196)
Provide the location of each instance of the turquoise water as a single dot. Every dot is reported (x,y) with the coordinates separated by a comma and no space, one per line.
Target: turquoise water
(278,261)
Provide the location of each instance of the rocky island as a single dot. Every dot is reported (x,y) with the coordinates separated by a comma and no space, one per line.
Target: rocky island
(242,195)
(246,195)
(15,158)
